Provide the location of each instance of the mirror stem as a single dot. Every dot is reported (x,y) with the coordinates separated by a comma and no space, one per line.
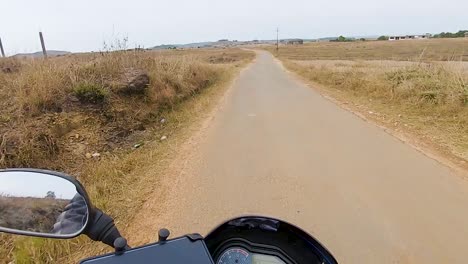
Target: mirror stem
(103,228)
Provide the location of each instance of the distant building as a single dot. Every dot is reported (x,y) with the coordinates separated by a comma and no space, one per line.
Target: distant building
(407,37)
(466,34)
(295,42)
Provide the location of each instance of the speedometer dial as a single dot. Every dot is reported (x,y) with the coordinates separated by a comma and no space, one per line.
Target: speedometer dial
(235,256)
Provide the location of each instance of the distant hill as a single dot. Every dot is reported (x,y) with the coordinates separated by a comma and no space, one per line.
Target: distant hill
(212,44)
(233,43)
(186,46)
(50,53)
(165,46)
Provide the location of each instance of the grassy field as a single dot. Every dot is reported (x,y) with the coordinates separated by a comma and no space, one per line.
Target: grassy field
(59,112)
(29,213)
(396,84)
(425,50)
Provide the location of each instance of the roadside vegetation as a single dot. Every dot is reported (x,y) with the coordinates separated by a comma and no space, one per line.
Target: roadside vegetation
(30,213)
(426,50)
(102,117)
(418,87)
(459,34)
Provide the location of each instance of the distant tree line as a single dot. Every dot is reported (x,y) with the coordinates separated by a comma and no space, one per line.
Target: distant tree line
(342,39)
(459,34)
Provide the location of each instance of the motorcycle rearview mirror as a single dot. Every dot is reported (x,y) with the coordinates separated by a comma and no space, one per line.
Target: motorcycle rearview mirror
(50,204)
(38,203)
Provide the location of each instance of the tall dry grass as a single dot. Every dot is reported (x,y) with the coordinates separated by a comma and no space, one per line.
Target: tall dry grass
(46,100)
(411,50)
(45,124)
(29,213)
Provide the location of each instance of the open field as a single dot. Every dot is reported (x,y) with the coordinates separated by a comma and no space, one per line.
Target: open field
(57,113)
(426,50)
(29,213)
(396,85)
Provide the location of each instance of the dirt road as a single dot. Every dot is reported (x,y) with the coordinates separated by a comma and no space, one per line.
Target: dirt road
(276,147)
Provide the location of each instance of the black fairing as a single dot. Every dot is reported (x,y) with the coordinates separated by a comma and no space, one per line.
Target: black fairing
(268,235)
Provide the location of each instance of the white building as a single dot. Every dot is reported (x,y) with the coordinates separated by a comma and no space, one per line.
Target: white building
(406,37)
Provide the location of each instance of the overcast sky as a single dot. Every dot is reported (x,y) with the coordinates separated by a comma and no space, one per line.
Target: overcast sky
(28,184)
(84,25)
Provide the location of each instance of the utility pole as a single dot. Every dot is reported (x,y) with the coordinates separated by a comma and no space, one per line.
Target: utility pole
(44,51)
(277,39)
(1,48)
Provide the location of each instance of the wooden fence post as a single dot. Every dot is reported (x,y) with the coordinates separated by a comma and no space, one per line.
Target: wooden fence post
(44,51)
(1,48)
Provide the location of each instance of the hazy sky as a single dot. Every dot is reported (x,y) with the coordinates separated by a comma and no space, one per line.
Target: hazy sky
(27,184)
(84,25)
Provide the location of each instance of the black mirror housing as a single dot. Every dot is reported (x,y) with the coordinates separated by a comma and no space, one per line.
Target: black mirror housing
(21,185)
(43,203)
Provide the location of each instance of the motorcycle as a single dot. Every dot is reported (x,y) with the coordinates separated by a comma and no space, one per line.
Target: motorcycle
(50,204)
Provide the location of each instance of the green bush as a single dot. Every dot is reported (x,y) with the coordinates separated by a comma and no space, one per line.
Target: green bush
(383,38)
(90,93)
(459,34)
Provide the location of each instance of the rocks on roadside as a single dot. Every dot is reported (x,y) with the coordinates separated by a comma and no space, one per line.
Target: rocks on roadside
(163,138)
(138,145)
(94,155)
(78,149)
(132,81)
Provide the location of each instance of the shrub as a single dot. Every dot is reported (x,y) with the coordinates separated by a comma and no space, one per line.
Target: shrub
(40,87)
(90,93)
(383,38)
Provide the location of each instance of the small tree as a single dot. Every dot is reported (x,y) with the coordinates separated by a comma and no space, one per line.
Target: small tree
(50,194)
(341,39)
(383,38)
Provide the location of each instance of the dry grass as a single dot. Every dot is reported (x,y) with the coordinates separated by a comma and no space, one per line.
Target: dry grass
(43,133)
(428,99)
(31,214)
(48,102)
(412,50)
